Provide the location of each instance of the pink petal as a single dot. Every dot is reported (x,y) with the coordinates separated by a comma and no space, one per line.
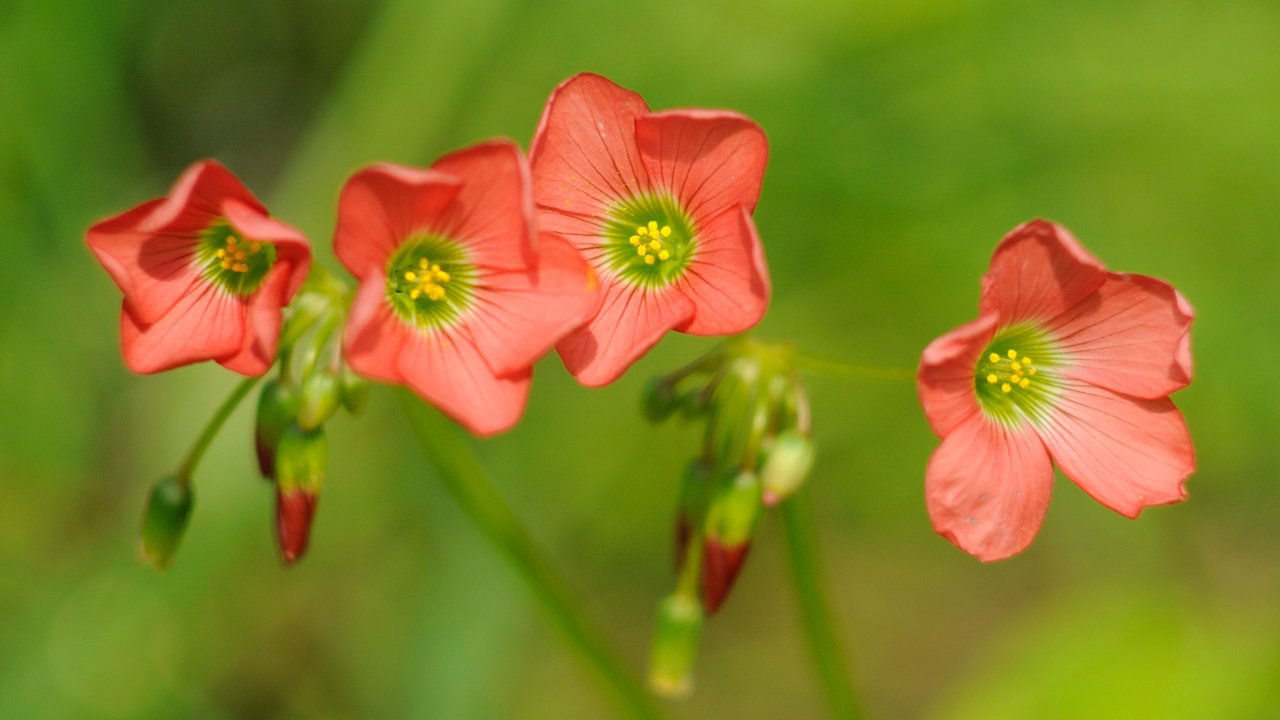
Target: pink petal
(987,487)
(196,200)
(711,159)
(446,370)
(153,271)
(257,352)
(492,214)
(1128,453)
(375,336)
(945,381)
(205,323)
(727,281)
(1038,271)
(584,154)
(518,316)
(1128,337)
(382,205)
(630,321)
(1182,358)
(292,248)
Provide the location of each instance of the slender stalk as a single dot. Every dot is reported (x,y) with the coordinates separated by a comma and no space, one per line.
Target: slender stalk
(211,429)
(839,368)
(802,543)
(484,506)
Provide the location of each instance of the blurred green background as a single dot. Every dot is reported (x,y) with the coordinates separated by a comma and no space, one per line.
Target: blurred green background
(906,138)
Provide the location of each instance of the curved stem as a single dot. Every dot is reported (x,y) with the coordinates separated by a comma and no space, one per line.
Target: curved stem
(839,368)
(211,429)
(802,544)
(469,485)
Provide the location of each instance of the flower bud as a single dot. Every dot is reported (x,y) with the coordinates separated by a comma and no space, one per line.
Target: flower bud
(164,522)
(729,429)
(277,406)
(301,459)
(321,393)
(675,645)
(660,399)
(785,466)
(731,524)
(355,391)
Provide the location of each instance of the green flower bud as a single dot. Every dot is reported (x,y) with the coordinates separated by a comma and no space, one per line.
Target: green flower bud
(732,521)
(785,466)
(355,391)
(321,393)
(301,459)
(676,634)
(277,406)
(164,522)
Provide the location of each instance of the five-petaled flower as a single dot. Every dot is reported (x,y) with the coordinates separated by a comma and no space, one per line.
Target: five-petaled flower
(1066,361)
(660,204)
(457,296)
(204,271)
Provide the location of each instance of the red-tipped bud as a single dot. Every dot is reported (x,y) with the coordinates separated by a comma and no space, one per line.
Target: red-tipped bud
(786,465)
(321,393)
(277,407)
(301,460)
(294,510)
(355,391)
(675,646)
(732,520)
(720,566)
(164,522)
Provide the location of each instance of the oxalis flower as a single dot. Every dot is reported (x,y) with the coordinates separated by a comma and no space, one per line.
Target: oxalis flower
(1068,362)
(204,271)
(660,204)
(457,297)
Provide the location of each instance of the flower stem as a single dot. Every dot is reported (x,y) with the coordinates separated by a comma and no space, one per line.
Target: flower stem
(839,368)
(211,429)
(802,543)
(483,504)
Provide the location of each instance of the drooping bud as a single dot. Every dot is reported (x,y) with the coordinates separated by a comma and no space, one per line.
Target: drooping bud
(732,520)
(277,406)
(321,393)
(675,645)
(301,460)
(355,391)
(660,399)
(786,465)
(164,522)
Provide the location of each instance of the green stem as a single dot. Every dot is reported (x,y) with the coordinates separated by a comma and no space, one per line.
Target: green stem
(451,456)
(802,543)
(211,429)
(839,368)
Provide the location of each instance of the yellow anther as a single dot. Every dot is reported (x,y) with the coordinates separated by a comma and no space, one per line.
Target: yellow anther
(1031,371)
(410,276)
(414,293)
(1016,366)
(221,253)
(1024,384)
(1006,387)
(424,263)
(231,240)
(443,276)
(1026,360)
(993,357)
(240,267)
(653,227)
(635,240)
(664,255)
(666,231)
(226,264)
(642,250)
(649,259)
(255,246)
(655,244)
(1013,354)
(642,230)
(992,378)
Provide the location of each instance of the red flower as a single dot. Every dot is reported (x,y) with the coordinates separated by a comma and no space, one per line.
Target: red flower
(456,298)
(1066,361)
(660,204)
(204,271)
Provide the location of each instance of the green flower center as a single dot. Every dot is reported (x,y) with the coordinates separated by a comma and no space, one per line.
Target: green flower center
(430,282)
(235,263)
(1014,378)
(648,240)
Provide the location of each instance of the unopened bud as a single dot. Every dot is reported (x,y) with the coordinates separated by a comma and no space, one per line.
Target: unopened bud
(301,460)
(355,391)
(675,645)
(321,393)
(277,406)
(733,412)
(294,511)
(164,522)
(731,524)
(786,466)
(660,399)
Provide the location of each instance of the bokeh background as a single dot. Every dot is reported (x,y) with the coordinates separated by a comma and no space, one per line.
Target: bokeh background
(906,137)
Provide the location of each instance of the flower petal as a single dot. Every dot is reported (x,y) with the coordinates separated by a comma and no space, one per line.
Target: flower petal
(1127,453)
(1128,337)
(946,376)
(446,370)
(987,487)
(205,323)
(152,271)
(257,352)
(292,248)
(1038,271)
(727,281)
(196,200)
(382,205)
(584,154)
(630,321)
(711,160)
(374,336)
(492,214)
(519,316)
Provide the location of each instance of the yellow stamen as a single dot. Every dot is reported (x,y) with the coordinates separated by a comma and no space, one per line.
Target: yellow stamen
(653,227)
(1031,371)
(666,231)
(1016,367)
(1006,387)
(642,231)
(410,276)
(655,244)
(1026,360)
(992,378)
(649,259)
(664,255)
(642,250)
(993,358)
(1013,354)
(1024,384)
(635,240)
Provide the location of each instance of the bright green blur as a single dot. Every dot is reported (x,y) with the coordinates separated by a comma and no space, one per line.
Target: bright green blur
(905,138)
